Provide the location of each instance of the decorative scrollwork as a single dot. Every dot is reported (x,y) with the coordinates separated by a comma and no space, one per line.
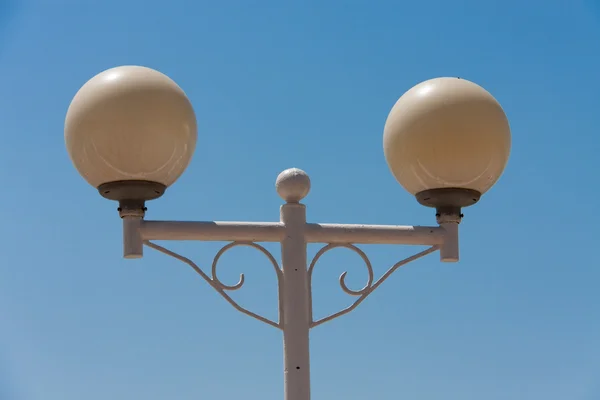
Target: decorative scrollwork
(358,251)
(241,282)
(219,286)
(367,289)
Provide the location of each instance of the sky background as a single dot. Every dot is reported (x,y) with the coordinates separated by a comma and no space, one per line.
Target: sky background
(308,84)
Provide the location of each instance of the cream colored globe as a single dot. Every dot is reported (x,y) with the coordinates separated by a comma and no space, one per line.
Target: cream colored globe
(130,123)
(447,133)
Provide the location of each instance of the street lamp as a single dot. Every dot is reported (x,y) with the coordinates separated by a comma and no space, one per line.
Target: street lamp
(131,132)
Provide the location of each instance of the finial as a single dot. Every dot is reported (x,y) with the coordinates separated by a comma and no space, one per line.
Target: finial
(292,185)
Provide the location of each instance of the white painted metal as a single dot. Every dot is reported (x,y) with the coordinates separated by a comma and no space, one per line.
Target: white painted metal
(132,239)
(220,287)
(293,277)
(367,289)
(296,314)
(274,232)
(213,231)
(449,247)
(374,234)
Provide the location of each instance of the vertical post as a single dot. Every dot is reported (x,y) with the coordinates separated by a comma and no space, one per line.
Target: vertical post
(132,214)
(449,218)
(449,251)
(132,239)
(295,304)
(292,186)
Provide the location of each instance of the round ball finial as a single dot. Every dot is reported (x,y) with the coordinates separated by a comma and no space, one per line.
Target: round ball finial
(292,185)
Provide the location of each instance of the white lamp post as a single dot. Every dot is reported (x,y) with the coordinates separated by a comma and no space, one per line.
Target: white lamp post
(131,132)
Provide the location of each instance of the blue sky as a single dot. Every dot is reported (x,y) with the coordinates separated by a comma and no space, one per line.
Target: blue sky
(303,84)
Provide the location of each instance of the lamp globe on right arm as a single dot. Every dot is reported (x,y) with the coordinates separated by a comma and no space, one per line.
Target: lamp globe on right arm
(447,142)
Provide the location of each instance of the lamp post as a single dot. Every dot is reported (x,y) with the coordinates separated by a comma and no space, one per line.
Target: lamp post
(131,132)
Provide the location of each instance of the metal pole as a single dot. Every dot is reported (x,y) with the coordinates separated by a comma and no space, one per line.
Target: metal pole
(294,278)
(295,303)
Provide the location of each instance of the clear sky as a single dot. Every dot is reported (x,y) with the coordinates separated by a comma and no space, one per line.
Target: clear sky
(305,84)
